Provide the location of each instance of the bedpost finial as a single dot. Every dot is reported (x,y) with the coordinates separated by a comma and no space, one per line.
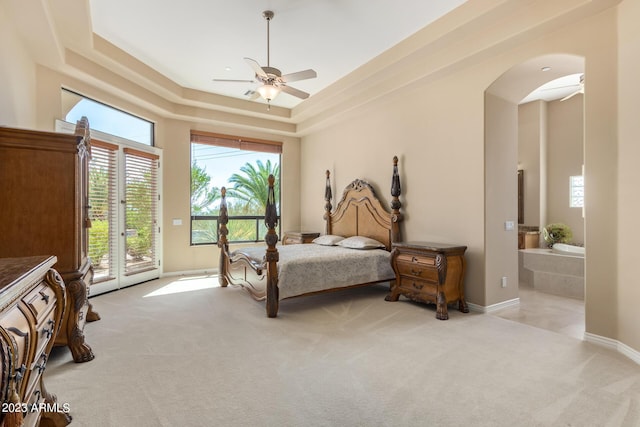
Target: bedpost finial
(223,191)
(272,179)
(395,161)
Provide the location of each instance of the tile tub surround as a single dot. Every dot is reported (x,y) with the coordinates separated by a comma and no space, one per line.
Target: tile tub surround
(553,273)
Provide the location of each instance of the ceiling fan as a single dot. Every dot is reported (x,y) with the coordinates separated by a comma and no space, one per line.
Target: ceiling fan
(272,80)
(580,89)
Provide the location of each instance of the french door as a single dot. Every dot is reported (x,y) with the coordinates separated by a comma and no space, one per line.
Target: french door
(124,200)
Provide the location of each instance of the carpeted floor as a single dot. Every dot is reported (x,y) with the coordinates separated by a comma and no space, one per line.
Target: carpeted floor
(211,357)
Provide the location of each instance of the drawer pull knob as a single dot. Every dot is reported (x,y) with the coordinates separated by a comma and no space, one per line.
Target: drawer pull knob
(48,331)
(418,287)
(20,373)
(414,259)
(416,272)
(41,366)
(44,297)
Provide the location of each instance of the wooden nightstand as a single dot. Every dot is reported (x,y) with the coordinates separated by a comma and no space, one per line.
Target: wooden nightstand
(298,237)
(430,273)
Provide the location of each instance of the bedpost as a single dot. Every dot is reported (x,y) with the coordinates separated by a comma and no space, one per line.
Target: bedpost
(327,205)
(272,256)
(396,216)
(223,243)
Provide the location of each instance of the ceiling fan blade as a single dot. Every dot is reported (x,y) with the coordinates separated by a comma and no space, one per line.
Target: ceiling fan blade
(300,75)
(572,94)
(233,81)
(295,92)
(256,67)
(577,86)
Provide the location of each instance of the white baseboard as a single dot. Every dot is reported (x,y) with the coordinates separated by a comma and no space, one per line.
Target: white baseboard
(612,344)
(494,307)
(208,271)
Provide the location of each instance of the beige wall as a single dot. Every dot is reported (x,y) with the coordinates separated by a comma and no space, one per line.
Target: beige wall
(17,74)
(501,199)
(628,175)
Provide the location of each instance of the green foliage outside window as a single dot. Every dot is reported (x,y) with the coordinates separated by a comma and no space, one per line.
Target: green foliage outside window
(246,197)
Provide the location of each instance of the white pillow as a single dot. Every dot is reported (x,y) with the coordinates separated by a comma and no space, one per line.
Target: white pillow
(328,240)
(360,242)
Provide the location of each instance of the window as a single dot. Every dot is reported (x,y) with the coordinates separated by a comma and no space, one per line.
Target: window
(107,119)
(576,191)
(240,165)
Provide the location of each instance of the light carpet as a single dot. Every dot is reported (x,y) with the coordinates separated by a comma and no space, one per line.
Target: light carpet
(210,357)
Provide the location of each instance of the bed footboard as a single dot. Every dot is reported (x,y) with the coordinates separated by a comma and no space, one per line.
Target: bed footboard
(259,279)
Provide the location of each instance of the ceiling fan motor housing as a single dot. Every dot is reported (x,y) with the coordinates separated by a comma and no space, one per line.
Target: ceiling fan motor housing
(270,71)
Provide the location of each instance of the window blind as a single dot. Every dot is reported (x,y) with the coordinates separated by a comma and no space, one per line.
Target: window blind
(249,144)
(141,210)
(103,199)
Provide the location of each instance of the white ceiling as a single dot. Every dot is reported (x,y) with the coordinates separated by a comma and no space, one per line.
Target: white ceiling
(193,41)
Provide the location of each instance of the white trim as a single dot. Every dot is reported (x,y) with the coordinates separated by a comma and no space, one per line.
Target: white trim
(494,307)
(612,344)
(212,271)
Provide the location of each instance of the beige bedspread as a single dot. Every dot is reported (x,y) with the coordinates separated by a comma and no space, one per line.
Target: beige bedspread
(312,268)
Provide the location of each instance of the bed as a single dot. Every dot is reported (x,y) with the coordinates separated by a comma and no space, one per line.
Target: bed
(277,272)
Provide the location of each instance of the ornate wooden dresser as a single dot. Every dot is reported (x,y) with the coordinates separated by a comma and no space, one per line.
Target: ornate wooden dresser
(32,303)
(44,193)
(429,272)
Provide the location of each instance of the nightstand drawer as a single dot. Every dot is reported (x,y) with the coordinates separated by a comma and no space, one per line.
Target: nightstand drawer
(410,285)
(416,259)
(418,270)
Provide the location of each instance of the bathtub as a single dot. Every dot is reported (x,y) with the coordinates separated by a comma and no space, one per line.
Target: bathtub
(565,249)
(548,271)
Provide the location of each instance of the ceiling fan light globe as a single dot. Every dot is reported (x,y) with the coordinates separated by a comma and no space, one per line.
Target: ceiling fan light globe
(268,92)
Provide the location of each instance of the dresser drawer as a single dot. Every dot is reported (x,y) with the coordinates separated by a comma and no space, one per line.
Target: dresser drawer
(45,332)
(40,301)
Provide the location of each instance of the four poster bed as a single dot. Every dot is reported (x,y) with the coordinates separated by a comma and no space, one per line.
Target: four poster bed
(355,250)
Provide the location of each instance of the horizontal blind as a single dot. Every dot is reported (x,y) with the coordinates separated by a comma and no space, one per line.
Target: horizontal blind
(141,210)
(103,202)
(249,144)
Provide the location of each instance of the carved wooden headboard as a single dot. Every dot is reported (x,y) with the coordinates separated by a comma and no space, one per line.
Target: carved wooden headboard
(360,212)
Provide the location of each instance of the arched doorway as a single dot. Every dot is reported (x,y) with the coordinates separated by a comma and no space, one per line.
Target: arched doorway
(534,137)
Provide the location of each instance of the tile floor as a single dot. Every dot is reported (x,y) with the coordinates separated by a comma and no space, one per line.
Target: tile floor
(555,313)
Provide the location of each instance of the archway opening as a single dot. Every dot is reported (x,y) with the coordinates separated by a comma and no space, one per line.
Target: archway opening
(534,123)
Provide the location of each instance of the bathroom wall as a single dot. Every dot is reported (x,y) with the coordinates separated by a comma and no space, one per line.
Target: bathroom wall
(550,150)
